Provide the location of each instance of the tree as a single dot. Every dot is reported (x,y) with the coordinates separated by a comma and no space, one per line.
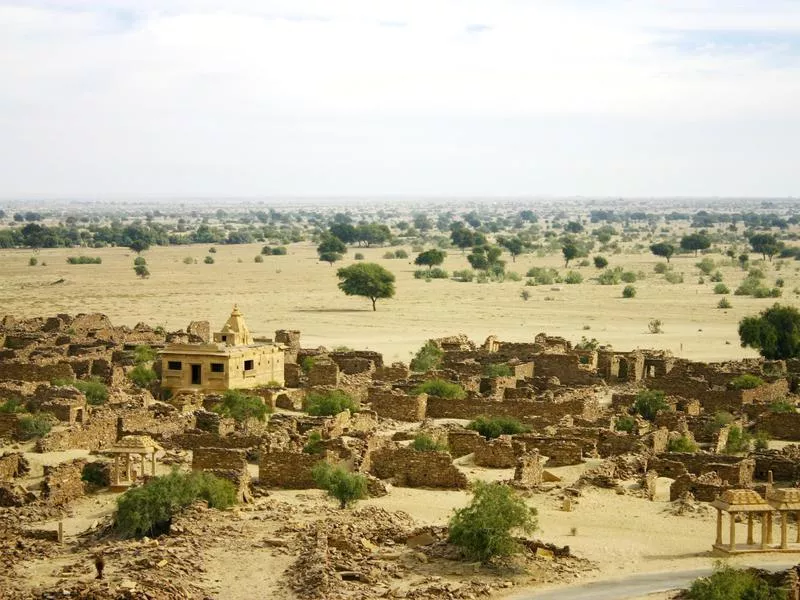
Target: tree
(366,279)
(345,232)
(695,242)
(484,258)
(139,245)
(329,403)
(601,262)
(514,246)
(649,403)
(241,407)
(483,528)
(573,227)
(766,244)
(570,251)
(663,249)
(427,358)
(372,233)
(775,333)
(340,484)
(465,238)
(430,258)
(141,271)
(331,249)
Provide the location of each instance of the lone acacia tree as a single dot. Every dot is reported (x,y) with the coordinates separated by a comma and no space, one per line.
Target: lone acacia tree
(366,279)
(430,258)
(775,333)
(696,241)
(570,251)
(663,249)
(331,249)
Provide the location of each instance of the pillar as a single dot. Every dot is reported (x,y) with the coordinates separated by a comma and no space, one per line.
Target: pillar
(749,529)
(128,462)
(719,528)
(763,531)
(769,527)
(733,532)
(797,525)
(116,469)
(784,530)
(153,463)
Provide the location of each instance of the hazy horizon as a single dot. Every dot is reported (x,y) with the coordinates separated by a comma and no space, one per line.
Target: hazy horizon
(145,100)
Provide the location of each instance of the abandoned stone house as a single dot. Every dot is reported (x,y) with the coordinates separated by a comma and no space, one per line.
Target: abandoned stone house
(233,359)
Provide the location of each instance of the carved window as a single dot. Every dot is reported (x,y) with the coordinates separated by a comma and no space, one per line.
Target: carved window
(174,365)
(248,365)
(217,367)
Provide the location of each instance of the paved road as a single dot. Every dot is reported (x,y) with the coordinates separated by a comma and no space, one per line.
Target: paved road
(634,586)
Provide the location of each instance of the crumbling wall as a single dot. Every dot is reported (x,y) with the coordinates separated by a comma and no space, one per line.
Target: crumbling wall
(226,459)
(146,422)
(12,465)
(499,453)
(528,472)
(445,408)
(393,404)
(192,441)
(781,426)
(289,470)
(705,488)
(290,339)
(97,433)
(323,373)
(411,468)
(464,441)
(394,372)
(8,425)
(25,371)
(62,483)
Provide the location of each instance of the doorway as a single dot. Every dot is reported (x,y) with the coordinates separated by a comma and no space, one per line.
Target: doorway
(196,374)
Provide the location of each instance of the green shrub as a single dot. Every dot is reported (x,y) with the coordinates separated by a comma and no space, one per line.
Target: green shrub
(573,277)
(307,363)
(601,262)
(33,261)
(721,288)
(514,276)
(434,273)
(609,277)
(629,292)
(427,358)
(209,260)
(465,275)
(738,441)
(84,260)
(327,404)
(441,388)
(721,419)
(425,443)
(542,276)
(497,370)
(724,303)
(143,354)
(96,474)
(661,268)
(746,381)
(494,427)
(782,406)
(761,440)
(389,255)
(628,277)
(625,423)
(654,326)
(241,407)
(95,391)
(672,277)
(525,295)
(212,250)
(340,484)
(279,251)
(727,583)
(141,271)
(33,426)
(716,277)
(139,260)
(148,510)
(483,529)
(143,376)
(314,445)
(12,405)
(358,256)
(400,253)
(258,258)
(188,260)
(706,265)
(681,444)
(649,402)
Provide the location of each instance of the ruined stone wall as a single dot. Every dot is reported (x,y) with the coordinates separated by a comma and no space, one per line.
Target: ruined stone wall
(62,483)
(410,468)
(8,425)
(463,442)
(528,472)
(99,432)
(566,367)
(290,339)
(289,470)
(499,453)
(443,408)
(705,489)
(12,465)
(391,404)
(737,474)
(781,426)
(226,459)
(783,467)
(211,422)
(145,422)
(323,373)
(395,372)
(192,441)
(24,371)
(560,452)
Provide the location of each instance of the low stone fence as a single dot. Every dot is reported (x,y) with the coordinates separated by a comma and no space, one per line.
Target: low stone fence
(411,468)
(63,483)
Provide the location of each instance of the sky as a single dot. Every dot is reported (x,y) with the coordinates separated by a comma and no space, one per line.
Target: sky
(167,98)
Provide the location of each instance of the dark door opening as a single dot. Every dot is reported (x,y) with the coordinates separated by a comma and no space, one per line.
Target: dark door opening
(196,374)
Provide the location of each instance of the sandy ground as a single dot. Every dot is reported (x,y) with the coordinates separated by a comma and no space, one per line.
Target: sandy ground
(298,292)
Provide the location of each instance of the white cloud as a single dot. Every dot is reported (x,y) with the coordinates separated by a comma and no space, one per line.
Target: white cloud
(318,97)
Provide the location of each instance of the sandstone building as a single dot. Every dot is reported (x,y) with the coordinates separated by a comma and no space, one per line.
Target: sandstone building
(233,360)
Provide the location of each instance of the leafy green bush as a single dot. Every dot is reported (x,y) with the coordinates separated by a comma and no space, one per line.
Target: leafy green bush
(661,268)
(209,260)
(716,277)
(307,363)
(465,275)
(649,402)
(400,253)
(427,358)
(148,510)
(724,303)
(706,265)
(327,404)
(188,260)
(483,529)
(681,444)
(84,260)
(143,376)
(782,406)
(96,474)
(672,277)
(738,441)
(314,445)
(441,388)
(609,277)
(33,426)
(434,273)
(727,583)
(746,381)
(542,276)
(721,419)
(573,277)
(628,277)
(279,251)
(358,256)
(494,427)
(258,258)
(139,260)
(389,255)
(141,271)
(241,407)
(629,292)
(625,423)
(12,405)
(95,391)
(425,443)
(601,262)
(340,484)
(497,370)
(212,250)
(721,288)
(144,353)
(33,261)
(761,440)
(654,326)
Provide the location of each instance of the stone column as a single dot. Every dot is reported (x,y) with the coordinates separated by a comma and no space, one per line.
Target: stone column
(733,532)
(763,531)
(719,528)
(116,469)
(153,463)
(749,529)
(797,525)
(769,527)
(128,461)
(784,530)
